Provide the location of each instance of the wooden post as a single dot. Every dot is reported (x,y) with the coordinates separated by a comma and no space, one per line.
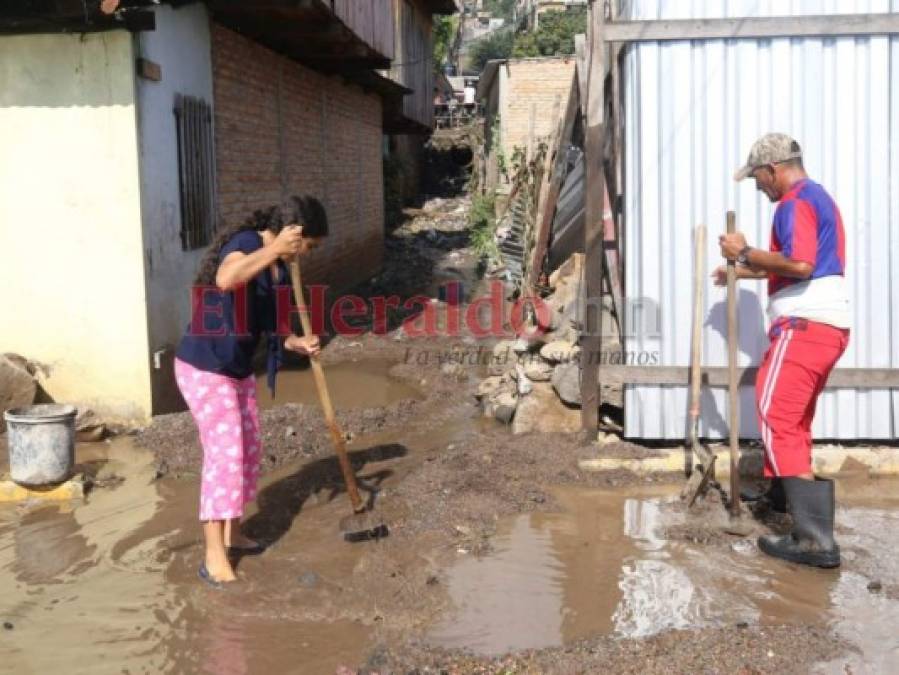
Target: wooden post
(732,382)
(591,339)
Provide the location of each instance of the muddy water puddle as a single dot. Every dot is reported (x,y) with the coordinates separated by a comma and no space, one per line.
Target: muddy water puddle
(603,567)
(109,586)
(360,384)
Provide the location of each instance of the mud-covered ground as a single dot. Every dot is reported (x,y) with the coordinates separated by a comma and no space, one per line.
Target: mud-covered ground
(644,586)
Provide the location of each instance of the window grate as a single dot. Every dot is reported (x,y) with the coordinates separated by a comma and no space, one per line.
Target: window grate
(196,170)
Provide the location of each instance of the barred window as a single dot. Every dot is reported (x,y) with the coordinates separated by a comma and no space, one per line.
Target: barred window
(196,170)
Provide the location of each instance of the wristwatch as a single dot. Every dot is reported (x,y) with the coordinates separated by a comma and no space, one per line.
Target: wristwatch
(743,256)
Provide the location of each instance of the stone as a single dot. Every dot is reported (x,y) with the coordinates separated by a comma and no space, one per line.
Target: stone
(502,357)
(538,370)
(524,384)
(542,412)
(566,380)
(504,407)
(604,438)
(17,385)
(875,586)
(489,386)
(560,351)
(309,579)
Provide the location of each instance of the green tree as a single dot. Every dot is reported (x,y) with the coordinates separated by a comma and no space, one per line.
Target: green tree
(554,35)
(500,8)
(444,31)
(497,45)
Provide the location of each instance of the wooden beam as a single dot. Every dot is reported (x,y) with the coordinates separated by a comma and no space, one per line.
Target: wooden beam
(679,376)
(548,201)
(594,189)
(843,25)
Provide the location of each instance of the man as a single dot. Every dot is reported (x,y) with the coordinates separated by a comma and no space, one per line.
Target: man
(808,308)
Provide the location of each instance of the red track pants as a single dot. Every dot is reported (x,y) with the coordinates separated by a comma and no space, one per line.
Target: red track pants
(793,373)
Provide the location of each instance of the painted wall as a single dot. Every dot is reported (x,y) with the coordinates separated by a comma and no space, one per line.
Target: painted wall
(70,229)
(180,46)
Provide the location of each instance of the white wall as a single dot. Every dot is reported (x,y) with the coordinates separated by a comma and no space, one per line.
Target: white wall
(72,274)
(180,45)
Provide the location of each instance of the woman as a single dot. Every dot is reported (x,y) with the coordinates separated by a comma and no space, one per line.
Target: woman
(236,288)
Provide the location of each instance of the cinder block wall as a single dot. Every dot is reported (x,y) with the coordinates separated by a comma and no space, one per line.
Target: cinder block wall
(536,83)
(283,129)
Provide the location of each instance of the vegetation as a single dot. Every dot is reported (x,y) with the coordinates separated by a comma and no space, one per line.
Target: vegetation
(482,224)
(554,35)
(497,45)
(444,31)
(500,8)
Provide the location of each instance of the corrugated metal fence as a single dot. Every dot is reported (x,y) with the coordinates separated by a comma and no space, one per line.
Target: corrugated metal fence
(693,110)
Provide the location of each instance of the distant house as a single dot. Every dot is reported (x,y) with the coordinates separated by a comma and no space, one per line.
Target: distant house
(511,93)
(128,139)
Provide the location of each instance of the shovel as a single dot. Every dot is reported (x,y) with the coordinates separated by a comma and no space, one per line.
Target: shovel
(704,467)
(363,524)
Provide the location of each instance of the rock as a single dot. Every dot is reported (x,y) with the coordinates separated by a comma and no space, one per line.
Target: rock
(504,407)
(538,370)
(524,384)
(875,586)
(542,411)
(743,547)
(455,370)
(489,386)
(560,351)
(502,357)
(17,385)
(525,345)
(603,438)
(7,625)
(566,380)
(309,579)
(289,432)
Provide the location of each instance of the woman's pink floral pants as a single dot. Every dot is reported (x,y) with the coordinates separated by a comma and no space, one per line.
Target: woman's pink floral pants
(227,417)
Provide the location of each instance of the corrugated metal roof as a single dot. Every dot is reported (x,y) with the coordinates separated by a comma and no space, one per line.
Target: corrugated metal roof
(692,111)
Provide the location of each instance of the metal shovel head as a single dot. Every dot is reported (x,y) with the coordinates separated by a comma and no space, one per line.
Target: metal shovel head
(364,526)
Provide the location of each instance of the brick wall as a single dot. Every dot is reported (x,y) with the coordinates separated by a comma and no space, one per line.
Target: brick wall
(283,129)
(538,83)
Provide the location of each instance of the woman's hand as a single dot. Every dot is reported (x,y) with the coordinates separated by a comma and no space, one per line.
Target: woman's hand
(308,345)
(289,241)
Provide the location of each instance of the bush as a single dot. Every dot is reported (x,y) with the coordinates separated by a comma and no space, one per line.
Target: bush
(482,225)
(554,36)
(497,45)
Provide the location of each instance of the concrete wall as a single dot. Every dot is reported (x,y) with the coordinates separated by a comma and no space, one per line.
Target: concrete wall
(70,218)
(180,45)
(283,129)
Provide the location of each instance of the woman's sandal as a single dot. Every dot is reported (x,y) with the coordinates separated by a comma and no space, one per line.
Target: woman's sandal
(205,576)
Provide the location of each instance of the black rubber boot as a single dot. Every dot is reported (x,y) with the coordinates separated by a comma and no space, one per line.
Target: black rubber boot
(773,499)
(811,503)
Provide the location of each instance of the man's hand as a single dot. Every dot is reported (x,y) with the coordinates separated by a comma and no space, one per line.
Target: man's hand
(719,276)
(308,345)
(731,245)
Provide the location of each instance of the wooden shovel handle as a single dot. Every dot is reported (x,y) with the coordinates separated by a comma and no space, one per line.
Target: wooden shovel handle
(321,385)
(733,385)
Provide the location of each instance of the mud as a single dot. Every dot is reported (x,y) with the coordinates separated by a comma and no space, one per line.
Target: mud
(498,544)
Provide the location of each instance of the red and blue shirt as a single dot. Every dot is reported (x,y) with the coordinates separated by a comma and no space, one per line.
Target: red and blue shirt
(808,228)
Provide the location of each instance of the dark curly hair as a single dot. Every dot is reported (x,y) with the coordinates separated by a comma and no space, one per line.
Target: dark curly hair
(307,211)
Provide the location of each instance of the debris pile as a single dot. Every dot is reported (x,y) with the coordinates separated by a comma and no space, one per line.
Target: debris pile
(18,385)
(534,382)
